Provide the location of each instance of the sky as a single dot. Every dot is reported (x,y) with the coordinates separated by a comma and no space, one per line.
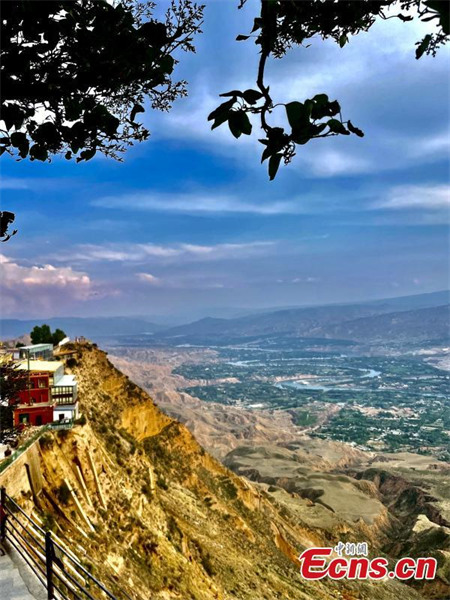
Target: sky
(190,225)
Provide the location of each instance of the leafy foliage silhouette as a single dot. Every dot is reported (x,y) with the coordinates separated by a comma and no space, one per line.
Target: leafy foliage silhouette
(75,74)
(286,23)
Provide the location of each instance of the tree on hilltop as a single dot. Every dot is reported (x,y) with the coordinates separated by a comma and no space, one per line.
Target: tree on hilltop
(43,335)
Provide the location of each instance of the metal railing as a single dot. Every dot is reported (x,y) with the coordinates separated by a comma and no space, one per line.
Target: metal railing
(65,424)
(56,568)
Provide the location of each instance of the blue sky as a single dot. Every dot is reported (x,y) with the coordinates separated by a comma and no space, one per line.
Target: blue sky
(189,222)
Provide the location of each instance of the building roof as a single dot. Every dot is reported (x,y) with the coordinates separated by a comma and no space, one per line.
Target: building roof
(66,380)
(36,347)
(44,366)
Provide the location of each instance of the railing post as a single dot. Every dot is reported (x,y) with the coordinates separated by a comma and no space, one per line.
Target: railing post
(49,553)
(2,514)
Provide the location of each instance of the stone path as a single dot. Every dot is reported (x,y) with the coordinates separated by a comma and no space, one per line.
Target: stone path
(18,583)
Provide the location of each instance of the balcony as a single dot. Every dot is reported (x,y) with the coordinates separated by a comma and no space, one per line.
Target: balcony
(65,391)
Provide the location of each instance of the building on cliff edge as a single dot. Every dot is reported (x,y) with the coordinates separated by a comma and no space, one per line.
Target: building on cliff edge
(49,395)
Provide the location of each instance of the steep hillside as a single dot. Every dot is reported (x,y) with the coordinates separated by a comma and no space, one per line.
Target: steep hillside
(158,515)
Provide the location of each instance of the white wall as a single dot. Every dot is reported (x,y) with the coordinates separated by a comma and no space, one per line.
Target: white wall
(69,412)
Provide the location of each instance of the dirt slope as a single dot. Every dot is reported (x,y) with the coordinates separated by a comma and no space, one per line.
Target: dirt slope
(158,515)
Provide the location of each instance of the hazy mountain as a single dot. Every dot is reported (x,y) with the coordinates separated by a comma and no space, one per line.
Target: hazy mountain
(90,327)
(419,325)
(426,317)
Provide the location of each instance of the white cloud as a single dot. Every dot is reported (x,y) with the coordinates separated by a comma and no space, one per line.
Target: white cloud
(29,289)
(363,76)
(141,253)
(14,274)
(425,197)
(11,183)
(192,203)
(148,278)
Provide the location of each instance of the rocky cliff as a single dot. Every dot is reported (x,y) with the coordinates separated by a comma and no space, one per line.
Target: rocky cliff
(146,508)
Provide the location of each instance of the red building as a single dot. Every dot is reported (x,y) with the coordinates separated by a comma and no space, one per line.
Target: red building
(35,405)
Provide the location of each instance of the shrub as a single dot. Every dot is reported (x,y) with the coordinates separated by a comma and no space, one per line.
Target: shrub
(63,434)
(46,441)
(207,564)
(81,420)
(48,522)
(162,483)
(63,493)
(229,490)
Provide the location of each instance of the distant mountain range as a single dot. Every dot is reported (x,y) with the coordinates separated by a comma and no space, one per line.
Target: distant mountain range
(421,317)
(418,317)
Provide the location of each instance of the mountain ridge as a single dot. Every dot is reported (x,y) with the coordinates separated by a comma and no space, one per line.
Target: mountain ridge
(353,322)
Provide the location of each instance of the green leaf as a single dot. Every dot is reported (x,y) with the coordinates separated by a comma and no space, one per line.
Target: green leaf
(167,64)
(17,139)
(246,126)
(257,24)
(13,116)
(355,130)
(323,107)
(333,108)
(73,109)
(268,151)
(317,129)
(343,40)
(219,120)
(337,127)
(221,110)
(239,123)
(443,10)
(298,115)
(423,46)
(23,149)
(154,32)
(137,108)
(321,99)
(235,93)
(87,154)
(38,152)
(274,163)
(252,96)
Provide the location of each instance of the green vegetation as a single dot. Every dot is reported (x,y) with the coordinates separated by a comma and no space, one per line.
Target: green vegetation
(63,493)
(44,335)
(392,403)
(304,418)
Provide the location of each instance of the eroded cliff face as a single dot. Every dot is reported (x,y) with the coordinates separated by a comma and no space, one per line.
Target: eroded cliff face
(145,507)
